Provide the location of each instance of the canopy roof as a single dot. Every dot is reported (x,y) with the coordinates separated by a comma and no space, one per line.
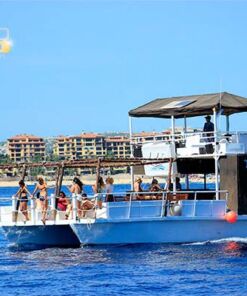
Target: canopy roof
(189,106)
(88,163)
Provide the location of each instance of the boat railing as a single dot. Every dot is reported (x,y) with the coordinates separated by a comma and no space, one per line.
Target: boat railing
(127,205)
(201,136)
(169,199)
(199,143)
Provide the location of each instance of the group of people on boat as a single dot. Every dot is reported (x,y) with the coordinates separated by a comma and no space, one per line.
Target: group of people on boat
(154,187)
(41,198)
(63,203)
(103,191)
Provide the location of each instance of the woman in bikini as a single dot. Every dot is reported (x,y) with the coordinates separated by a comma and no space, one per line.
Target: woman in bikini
(42,201)
(99,189)
(77,190)
(109,189)
(23,199)
(138,188)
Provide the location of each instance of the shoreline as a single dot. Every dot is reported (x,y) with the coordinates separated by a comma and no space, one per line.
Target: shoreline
(90,180)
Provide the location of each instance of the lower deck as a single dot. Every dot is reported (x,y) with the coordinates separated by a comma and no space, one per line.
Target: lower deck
(128,210)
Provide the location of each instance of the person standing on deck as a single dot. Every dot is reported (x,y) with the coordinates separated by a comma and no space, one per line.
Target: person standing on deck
(99,189)
(23,199)
(42,201)
(208,127)
(208,130)
(109,189)
(77,190)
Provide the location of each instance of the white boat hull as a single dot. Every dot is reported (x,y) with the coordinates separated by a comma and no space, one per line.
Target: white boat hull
(173,230)
(41,236)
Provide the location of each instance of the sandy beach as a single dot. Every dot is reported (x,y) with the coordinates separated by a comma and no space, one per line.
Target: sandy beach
(90,180)
(87,180)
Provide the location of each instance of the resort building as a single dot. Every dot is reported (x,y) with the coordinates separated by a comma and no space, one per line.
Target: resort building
(90,145)
(81,146)
(143,137)
(117,146)
(25,148)
(150,136)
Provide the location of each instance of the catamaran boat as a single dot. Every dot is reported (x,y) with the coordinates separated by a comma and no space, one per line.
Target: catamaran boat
(168,216)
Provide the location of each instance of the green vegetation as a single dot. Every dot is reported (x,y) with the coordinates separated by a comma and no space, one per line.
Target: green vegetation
(4,159)
(39,170)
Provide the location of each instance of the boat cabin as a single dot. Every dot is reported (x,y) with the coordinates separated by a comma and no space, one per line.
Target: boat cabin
(222,154)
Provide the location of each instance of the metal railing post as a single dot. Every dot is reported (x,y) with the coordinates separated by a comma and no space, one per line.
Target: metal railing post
(14,210)
(53,206)
(32,209)
(162,205)
(227,196)
(194,210)
(130,203)
(74,207)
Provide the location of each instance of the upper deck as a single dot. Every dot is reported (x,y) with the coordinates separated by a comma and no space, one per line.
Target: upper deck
(196,144)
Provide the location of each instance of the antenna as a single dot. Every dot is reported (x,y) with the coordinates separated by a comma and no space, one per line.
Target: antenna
(220,90)
(220,111)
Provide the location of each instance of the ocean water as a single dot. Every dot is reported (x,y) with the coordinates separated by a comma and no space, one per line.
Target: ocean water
(209,268)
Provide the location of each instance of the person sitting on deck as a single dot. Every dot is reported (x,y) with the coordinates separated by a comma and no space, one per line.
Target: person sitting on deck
(138,188)
(98,190)
(22,199)
(109,189)
(155,186)
(64,204)
(87,205)
(42,201)
(178,185)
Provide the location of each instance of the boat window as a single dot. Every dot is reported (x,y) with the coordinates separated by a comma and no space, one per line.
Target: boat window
(177,104)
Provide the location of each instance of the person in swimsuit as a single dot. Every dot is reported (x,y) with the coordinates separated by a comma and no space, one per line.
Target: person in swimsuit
(138,188)
(23,199)
(109,189)
(77,190)
(98,190)
(155,187)
(42,201)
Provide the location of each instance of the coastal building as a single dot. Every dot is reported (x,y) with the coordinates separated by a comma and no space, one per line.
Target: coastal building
(117,146)
(143,137)
(25,148)
(88,145)
(85,145)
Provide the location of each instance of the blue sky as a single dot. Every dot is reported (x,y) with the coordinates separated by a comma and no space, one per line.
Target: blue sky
(82,65)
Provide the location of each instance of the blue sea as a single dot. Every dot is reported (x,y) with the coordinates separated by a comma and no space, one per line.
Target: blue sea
(209,268)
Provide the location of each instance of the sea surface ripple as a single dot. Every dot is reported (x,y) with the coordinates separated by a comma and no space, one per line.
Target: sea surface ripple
(209,268)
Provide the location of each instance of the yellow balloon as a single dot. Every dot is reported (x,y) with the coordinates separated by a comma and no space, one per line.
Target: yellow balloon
(5,46)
